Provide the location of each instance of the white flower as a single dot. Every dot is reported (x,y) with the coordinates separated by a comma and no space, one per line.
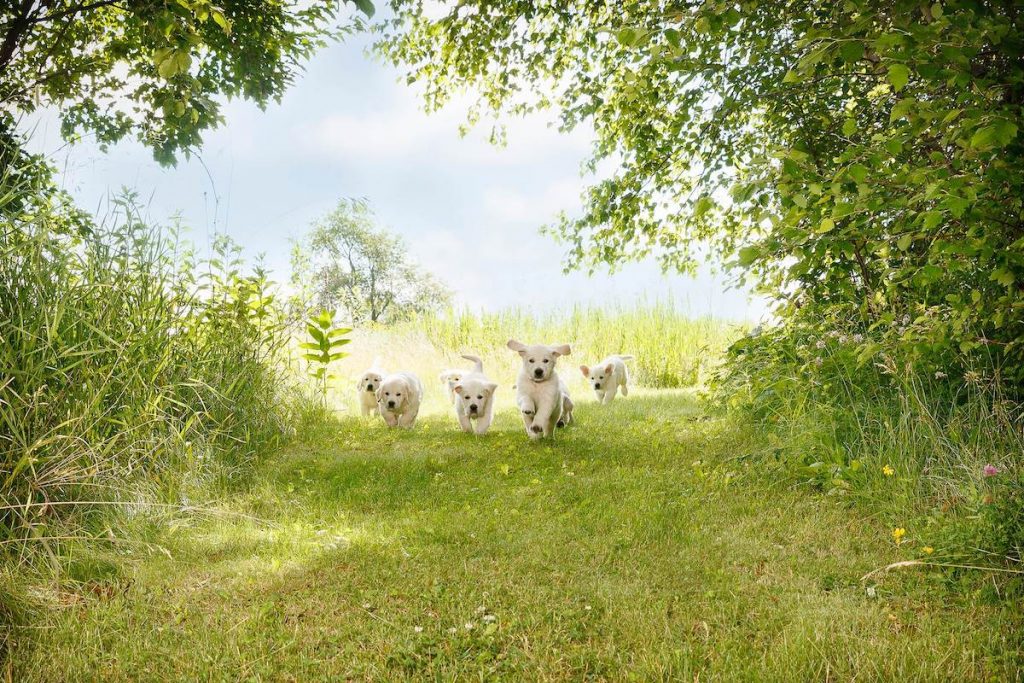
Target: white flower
(940,375)
(469,625)
(820,344)
(490,618)
(418,629)
(858,338)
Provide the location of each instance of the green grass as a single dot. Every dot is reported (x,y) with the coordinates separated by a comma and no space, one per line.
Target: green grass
(638,545)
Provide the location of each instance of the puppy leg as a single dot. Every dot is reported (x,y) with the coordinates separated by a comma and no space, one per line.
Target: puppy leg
(464,422)
(390,419)
(544,420)
(567,406)
(609,395)
(600,396)
(528,410)
(483,423)
(625,387)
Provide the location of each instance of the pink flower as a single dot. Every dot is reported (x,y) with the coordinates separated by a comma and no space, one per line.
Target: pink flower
(990,470)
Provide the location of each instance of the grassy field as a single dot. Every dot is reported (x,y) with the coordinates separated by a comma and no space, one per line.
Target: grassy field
(637,546)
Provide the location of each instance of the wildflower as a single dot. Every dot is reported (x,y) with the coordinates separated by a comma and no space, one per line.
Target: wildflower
(818,362)
(417,629)
(820,344)
(858,338)
(990,470)
(939,374)
(888,471)
(469,625)
(898,533)
(490,618)
(928,550)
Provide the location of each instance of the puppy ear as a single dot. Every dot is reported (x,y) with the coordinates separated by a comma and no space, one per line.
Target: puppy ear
(585,370)
(516,346)
(378,393)
(608,370)
(561,350)
(489,387)
(457,388)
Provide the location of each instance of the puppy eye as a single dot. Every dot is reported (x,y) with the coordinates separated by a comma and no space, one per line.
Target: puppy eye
(397,394)
(479,396)
(532,360)
(545,360)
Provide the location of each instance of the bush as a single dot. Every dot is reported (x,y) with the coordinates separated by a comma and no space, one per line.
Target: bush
(937,455)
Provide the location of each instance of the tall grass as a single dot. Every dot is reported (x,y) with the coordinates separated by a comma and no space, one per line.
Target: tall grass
(127,369)
(671,349)
(935,456)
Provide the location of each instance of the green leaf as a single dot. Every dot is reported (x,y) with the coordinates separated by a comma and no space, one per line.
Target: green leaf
(1003,276)
(852,51)
(859,172)
(365,6)
(627,36)
(826,225)
(984,138)
(222,21)
(899,74)
(932,219)
(904,242)
(748,255)
(702,206)
(316,333)
(849,126)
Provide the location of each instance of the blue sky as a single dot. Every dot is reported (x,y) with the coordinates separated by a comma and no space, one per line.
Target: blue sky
(468,211)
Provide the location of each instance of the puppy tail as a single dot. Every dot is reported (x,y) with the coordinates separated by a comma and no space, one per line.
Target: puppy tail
(479,367)
(626,356)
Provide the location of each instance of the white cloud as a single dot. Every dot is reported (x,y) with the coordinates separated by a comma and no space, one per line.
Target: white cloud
(405,132)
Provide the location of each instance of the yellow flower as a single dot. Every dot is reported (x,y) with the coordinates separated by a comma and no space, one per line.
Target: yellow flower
(898,533)
(888,471)
(928,550)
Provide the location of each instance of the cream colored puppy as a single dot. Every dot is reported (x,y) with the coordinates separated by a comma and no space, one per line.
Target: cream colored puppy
(399,397)
(541,395)
(474,399)
(608,376)
(366,389)
(449,378)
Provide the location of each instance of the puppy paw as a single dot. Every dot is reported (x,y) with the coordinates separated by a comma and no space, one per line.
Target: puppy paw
(560,423)
(536,429)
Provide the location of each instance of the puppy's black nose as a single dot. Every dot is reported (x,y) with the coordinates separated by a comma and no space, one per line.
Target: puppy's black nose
(472,407)
(597,386)
(538,372)
(391,404)
(369,387)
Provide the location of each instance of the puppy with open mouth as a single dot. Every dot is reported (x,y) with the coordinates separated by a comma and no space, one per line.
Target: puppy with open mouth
(399,396)
(541,395)
(366,389)
(474,399)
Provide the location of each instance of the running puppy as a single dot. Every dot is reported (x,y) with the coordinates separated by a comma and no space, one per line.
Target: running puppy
(449,378)
(366,389)
(399,397)
(542,397)
(608,377)
(474,395)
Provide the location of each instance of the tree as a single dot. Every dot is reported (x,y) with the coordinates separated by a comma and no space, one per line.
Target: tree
(858,160)
(366,271)
(153,67)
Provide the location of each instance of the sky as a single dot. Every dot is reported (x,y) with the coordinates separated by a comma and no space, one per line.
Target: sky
(468,211)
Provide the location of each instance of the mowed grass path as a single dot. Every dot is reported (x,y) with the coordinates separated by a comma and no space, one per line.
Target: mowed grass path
(639,545)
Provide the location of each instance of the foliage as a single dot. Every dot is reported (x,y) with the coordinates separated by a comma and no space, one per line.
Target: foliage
(153,68)
(857,161)
(911,448)
(128,368)
(323,349)
(364,270)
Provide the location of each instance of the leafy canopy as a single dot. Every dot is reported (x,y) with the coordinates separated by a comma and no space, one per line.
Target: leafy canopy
(859,161)
(153,68)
